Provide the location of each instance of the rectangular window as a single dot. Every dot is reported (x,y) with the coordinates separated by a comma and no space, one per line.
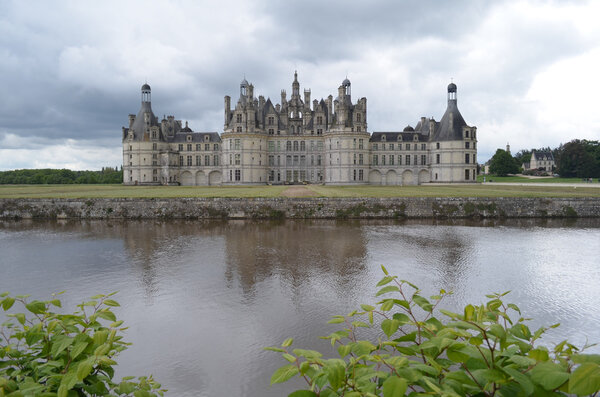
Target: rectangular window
(271,120)
(198,161)
(319,119)
(354,159)
(189,147)
(237,144)
(383,160)
(408,146)
(467,158)
(312,160)
(375,160)
(437,158)
(467,145)
(295,160)
(407,158)
(360,175)
(423,159)
(467,175)
(216,146)
(237,159)
(288,146)
(302,146)
(295,146)
(154,146)
(302,161)
(278,160)
(207,146)
(238,118)
(423,146)
(319,145)
(271,160)
(354,175)
(392,159)
(230,160)
(181,147)
(288,175)
(206,160)
(238,175)
(181,160)
(319,131)
(374,146)
(319,159)
(383,146)
(216,159)
(189,160)
(288,161)
(399,159)
(271,146)
(360,159)
(415,160)
(391,146)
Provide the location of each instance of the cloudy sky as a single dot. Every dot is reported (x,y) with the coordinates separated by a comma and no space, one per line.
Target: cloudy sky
(70,71)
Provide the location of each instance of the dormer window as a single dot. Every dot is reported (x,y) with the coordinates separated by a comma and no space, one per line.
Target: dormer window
(466,134)
(188,138)
(206,138)
(399,137)
(415,138)
(383,138)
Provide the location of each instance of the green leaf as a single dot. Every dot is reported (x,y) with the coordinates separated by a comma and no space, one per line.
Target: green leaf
(367,308)
(521,379)
(336,320)
(423,303)
(7,303)
(385,290)
(586,358)
(389,327)
(59,344)
(284,373)
(83,369)
(289,357)
(538,354)
(387,305)
(384,270)
(385,280)
(36,307)
(336,373)
(107,315)
(307,353)
(394,387)
(20,318)
(274,349)
(585,379)
(401,318)
(303,393)
(110,302)
(549,375)
(469,312)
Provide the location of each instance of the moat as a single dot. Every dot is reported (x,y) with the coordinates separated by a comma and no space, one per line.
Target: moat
(202,298)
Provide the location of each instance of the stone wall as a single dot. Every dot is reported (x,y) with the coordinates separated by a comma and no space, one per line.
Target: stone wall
(315,208)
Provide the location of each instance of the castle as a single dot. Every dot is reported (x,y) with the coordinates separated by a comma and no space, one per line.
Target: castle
(297,141)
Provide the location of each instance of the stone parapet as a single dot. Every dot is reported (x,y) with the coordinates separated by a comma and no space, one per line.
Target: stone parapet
(300,208)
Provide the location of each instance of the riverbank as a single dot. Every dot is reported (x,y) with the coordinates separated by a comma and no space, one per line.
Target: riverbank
(301,208)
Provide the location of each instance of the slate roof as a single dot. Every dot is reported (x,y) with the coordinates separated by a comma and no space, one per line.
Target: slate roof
(542,155)
(197,137)
(138,126)
(393,136)
(443,132)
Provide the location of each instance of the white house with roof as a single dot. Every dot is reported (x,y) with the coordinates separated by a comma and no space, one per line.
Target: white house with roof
(298,141)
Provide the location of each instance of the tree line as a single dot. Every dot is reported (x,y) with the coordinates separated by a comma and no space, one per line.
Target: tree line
(574,159)
(62,176)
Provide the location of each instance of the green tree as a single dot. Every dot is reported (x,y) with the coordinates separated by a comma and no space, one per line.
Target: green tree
(44,353)
(579,159)
(502,164)
(522,156)
(487,350)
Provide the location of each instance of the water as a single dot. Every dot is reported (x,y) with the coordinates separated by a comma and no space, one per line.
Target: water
(203,298)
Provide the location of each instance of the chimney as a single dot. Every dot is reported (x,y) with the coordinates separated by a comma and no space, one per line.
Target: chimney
(307,98)
(227,109)
(131,120)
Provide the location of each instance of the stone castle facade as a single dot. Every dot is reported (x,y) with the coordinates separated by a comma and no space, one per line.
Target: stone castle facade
(298,141)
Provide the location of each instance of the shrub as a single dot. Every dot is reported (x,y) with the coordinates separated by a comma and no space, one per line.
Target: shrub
(487,350)
(43,353)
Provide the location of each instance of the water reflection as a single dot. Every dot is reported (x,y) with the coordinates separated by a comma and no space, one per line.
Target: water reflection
(203,298)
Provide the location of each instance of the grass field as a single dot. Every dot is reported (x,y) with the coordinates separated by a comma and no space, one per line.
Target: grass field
(521,179)
(119,191)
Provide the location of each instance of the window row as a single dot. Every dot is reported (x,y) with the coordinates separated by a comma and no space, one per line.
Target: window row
(190,147)
(391,159)
(189,160)
(407,146)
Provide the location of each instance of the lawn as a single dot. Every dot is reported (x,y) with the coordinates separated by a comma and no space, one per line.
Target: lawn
(521,179)
(119,191)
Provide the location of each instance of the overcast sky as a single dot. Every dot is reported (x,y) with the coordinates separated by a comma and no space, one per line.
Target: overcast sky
(70,71)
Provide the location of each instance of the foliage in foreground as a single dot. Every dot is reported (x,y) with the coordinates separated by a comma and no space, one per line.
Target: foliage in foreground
(485,351)
(62,176)
(43,353)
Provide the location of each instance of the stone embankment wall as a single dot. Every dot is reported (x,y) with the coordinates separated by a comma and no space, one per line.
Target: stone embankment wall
(315,208)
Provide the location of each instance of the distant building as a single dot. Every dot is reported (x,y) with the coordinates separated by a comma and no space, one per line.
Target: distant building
(540,160)
(298,141)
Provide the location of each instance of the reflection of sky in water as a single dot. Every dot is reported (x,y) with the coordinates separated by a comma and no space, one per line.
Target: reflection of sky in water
(203,299)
